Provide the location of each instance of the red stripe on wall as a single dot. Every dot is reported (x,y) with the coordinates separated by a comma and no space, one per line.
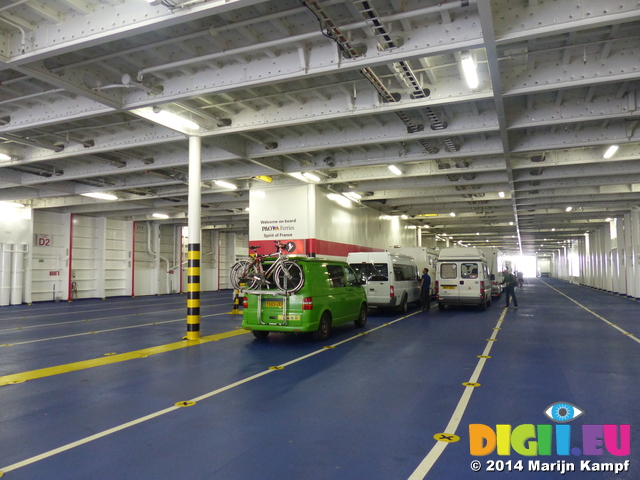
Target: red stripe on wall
(325,247)
(314,247)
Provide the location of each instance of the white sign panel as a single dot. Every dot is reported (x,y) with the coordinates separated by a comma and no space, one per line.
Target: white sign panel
(279,213)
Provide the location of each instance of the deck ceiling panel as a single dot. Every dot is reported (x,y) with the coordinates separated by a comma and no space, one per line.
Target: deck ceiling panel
(280,87)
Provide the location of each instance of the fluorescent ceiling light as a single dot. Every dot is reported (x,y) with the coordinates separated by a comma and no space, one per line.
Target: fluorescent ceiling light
(100,195)
(395,169)
(469,69)
(353,195)
(311,176)
(222,183)
(4,156)
(501,194)
(172,120)
(298,175)
(160,215)
(568,209)
(452,214)
(247,209)
(11,204)
(610,151)
(404,217)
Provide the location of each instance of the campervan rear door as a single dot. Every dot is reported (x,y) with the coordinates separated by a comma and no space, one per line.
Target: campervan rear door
(449,279)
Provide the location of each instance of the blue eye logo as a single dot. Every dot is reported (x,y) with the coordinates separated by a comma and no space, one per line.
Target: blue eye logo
(563,412)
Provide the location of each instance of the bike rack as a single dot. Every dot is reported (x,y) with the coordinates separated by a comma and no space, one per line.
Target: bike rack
(271,293)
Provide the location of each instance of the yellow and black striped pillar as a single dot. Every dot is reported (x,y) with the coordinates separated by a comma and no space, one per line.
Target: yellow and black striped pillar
(193,292)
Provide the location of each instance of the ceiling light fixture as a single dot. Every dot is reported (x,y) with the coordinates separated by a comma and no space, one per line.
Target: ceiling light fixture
(469,69)
(568,209)
(453,214)
(100,195)
(11,204)
(395,169)
(311,176)
(501,194)
(222,183)
(172,120)
(610,151)
(4,156)
(160,215)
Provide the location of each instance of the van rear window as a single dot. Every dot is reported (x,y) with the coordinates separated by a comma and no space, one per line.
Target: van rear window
(364,271)
(468,270)
(448,270)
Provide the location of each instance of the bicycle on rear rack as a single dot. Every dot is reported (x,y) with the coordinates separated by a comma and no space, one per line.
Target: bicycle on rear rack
(250,274)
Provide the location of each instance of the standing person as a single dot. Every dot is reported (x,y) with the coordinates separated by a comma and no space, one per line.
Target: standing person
(520,277)
(509,282)
(425,290)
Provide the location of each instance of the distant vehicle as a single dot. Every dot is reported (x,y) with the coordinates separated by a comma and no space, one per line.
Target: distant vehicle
(495,261)
(330,295)
(462,278)
(391,280)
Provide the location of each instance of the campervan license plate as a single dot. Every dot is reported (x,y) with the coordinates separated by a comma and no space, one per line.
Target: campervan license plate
(449,287)
(273,304)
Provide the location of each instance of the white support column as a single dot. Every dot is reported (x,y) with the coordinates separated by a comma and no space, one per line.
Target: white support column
(129,265)
(17,274)
(5,274)
(101,254)
(635,252)
(622,276)
(628,253)
(194,224)
(607,272)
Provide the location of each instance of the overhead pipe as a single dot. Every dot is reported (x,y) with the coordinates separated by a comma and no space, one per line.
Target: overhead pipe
(302,37)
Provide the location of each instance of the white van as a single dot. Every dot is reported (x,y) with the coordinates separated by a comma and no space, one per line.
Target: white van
(391,280)
(424,258)
(462,278)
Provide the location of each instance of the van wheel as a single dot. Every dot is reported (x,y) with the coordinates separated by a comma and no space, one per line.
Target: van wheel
(260,333)
(403,307)
(441,306)
(362,318)
(324,328)
(483,305)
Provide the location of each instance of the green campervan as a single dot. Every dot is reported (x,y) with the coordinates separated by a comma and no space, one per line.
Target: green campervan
(331,295)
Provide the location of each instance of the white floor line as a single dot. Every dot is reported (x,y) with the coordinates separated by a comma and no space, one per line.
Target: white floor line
(454,422)
(628,334)
(159,413)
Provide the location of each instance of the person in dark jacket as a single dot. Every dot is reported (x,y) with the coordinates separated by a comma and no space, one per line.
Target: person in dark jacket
(425,290)
(509,282)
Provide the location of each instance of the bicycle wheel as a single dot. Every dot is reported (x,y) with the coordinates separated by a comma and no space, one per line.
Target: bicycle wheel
(244,275)
(289,276)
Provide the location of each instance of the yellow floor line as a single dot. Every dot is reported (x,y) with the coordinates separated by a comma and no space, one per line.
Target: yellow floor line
(122,357)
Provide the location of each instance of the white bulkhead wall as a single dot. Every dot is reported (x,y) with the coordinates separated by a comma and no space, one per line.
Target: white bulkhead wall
(320,223)
(50,256)
(343,226)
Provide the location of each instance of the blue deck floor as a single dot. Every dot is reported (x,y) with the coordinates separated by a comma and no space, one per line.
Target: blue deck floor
(368,408)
